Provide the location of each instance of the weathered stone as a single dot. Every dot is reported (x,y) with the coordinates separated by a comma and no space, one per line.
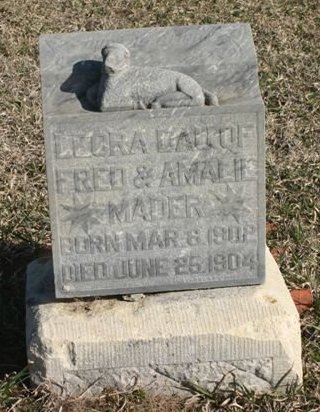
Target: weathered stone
(247,335)
(156,199)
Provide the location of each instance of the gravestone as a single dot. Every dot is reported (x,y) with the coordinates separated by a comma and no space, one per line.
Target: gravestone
(155,159)
(155,163)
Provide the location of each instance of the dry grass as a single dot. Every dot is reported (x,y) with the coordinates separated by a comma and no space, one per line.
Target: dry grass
(287,38)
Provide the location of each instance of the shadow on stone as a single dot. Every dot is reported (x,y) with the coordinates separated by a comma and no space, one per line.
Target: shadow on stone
(14,259)
(85,74)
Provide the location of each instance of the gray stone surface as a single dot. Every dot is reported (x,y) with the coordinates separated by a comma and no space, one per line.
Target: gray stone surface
(163,340)
(158,199)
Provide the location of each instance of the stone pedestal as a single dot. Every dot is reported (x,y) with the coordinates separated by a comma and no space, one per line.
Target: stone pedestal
(249,335)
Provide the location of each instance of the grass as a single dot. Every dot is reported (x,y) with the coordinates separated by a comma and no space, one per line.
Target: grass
(287,37)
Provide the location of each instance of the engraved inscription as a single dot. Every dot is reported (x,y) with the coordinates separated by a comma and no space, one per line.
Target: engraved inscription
(157,205)
(89,180)
(153,239)
(194,265)
(212,171)
(139,209)
(99,145)
(122,269)
(231,203)
(144,177)
(191,265)
(204,138)
(109,144)
(86,180)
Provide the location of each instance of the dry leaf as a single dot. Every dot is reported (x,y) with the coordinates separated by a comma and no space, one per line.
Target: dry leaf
(278,251)
(271,227)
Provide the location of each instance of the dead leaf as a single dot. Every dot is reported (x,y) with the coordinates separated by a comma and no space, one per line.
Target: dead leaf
(278,251)
(271,227)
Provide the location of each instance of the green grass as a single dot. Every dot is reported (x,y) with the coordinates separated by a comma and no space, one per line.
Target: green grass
(287,38)
(8,388)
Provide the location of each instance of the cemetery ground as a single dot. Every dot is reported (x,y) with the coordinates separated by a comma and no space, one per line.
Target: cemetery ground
(287,37)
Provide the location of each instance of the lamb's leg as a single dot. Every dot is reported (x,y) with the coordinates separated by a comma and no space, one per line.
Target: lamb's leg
(191,88)
(175,99)
(211,99)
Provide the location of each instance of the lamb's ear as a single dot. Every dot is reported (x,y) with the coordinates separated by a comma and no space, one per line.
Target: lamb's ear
(127,53)
(105,52)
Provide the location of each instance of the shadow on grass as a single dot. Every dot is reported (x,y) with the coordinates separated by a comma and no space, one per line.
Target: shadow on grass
(13,263)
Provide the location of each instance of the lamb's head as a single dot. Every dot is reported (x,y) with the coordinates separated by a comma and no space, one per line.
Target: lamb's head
(116,58)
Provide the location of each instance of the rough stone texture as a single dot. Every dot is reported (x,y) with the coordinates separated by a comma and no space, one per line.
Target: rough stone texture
(249,334)
(159,199)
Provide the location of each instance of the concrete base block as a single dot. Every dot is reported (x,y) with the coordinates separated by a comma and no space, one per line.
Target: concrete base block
(249,335)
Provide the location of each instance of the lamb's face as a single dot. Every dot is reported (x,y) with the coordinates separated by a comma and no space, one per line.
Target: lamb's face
(116,58)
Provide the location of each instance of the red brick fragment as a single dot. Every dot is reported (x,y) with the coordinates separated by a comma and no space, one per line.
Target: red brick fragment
(302,298)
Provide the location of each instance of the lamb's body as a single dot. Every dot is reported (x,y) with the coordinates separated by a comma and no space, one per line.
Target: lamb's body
(125,87)
(140,87)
